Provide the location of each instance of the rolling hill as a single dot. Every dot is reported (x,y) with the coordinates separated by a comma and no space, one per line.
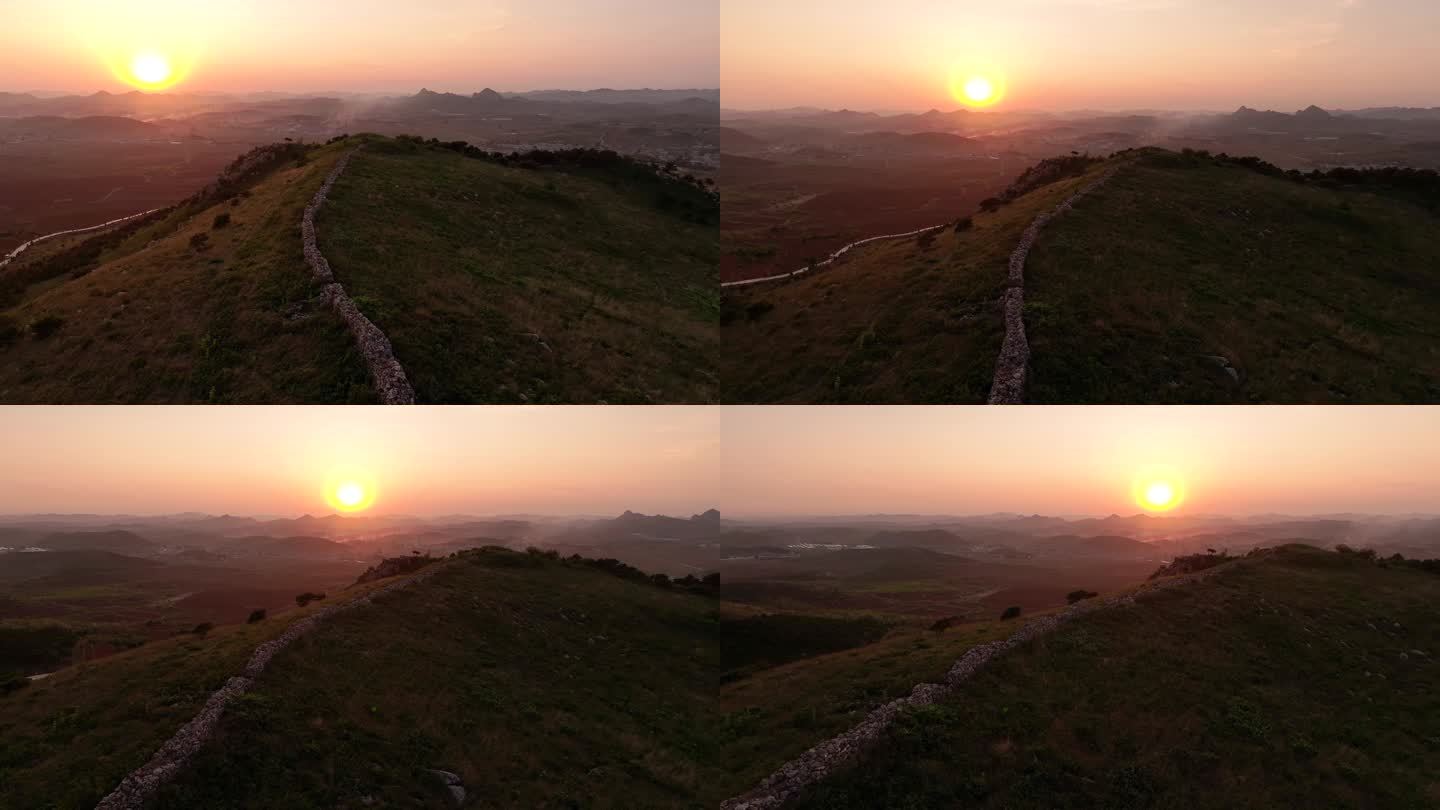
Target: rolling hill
(1186,277)
(549,277)
(503,668)
(1297,677)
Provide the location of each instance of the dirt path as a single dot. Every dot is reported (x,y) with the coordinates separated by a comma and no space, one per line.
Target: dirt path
(14,254)
(830,260)
(386,372)
(843,750)
(1008,387)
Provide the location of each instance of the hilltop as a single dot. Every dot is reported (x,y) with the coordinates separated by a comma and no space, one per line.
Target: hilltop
(1201,695)
(571,276)
(1175,277)
(501,667)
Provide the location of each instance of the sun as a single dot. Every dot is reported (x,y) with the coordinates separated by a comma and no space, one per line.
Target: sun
(349,491)
(1158,490)
(977,88)
(151,69)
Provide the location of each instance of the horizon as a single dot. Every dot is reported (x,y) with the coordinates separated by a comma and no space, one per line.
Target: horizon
(366,44)
(1081,54)
(125,91)
(435,460)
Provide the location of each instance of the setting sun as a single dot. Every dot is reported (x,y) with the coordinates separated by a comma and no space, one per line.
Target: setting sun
(975,89)
(349,491)
(1158,490)
(151,70)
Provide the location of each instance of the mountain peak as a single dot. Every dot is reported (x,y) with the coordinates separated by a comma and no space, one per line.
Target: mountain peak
(1312,112)
(488,95)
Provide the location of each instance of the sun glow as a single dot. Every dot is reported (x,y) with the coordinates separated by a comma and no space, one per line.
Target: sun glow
(149,69)
(349,491)
(977,88)
(1158,489)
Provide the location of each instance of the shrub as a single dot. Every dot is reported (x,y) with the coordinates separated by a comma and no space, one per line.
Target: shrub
(221,220)
(200,241)
(203,628)
(926,239)
(1011,612)
(944,624)
(1076,596)
(991,204)
(661,580)
(46,326)
(12,683)
(712,579)
(964,224)
(256,615)
(306,598)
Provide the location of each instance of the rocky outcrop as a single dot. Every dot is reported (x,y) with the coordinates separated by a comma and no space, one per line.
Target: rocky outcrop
(386,373)
(393,567)
(838,752)
(135,790)
(1008,386)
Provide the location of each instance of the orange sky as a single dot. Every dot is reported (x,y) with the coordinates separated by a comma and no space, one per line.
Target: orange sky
(275,460)
(1078,460)
(1072,54)
(363,45)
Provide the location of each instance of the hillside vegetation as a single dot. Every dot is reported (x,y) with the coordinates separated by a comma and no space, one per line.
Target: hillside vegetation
(915,320)
(1185,278)
(541,683)
(1185,265)
(551,277)
(1302,678)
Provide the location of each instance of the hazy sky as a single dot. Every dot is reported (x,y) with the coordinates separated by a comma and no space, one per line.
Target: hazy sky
(1070,54)
(425,461)
(1078,460)
(359,45)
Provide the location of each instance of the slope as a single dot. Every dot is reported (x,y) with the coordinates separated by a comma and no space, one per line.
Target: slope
(569,281)
(1195,279)
(540,682)
(915,320)
(176,308)
(1298,678)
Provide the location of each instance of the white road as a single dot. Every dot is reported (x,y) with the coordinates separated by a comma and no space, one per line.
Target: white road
(14,254)
(833,256)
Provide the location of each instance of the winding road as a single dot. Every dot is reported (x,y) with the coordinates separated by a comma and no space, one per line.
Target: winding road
(14,254)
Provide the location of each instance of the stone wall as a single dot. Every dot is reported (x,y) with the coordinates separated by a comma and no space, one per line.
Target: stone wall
(386,372)
(840,751)
(1008,387)
(141,785)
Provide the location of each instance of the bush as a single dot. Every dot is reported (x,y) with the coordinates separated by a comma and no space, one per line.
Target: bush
(964,224)
(256,615)
(46,326)
(661,580)
(306,598)
(712,580)
(12,683)
(200,241)
(1011,612)
(991,204)
(204,627)
(1080,595)
(944,624)
(221,220)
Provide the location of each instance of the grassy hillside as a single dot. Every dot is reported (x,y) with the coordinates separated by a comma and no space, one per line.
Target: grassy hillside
(1301,679)
(505,284)
(773,714)
(540,683)
(908,321)
(1311,292)
(535,281)
(1183,279)
(155,317)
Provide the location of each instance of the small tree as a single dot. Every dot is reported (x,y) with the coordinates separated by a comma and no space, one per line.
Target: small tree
(46,326)
(200,241)
(1011,612)
(712,579)
(256,615)
(203,628)
(964,224)
(221,220)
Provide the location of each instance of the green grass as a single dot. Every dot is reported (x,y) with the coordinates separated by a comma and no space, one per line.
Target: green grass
(1312,294)
(542,684)
(503,284)
(157,321)
(1278,683)
(894,322)
(775,714)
